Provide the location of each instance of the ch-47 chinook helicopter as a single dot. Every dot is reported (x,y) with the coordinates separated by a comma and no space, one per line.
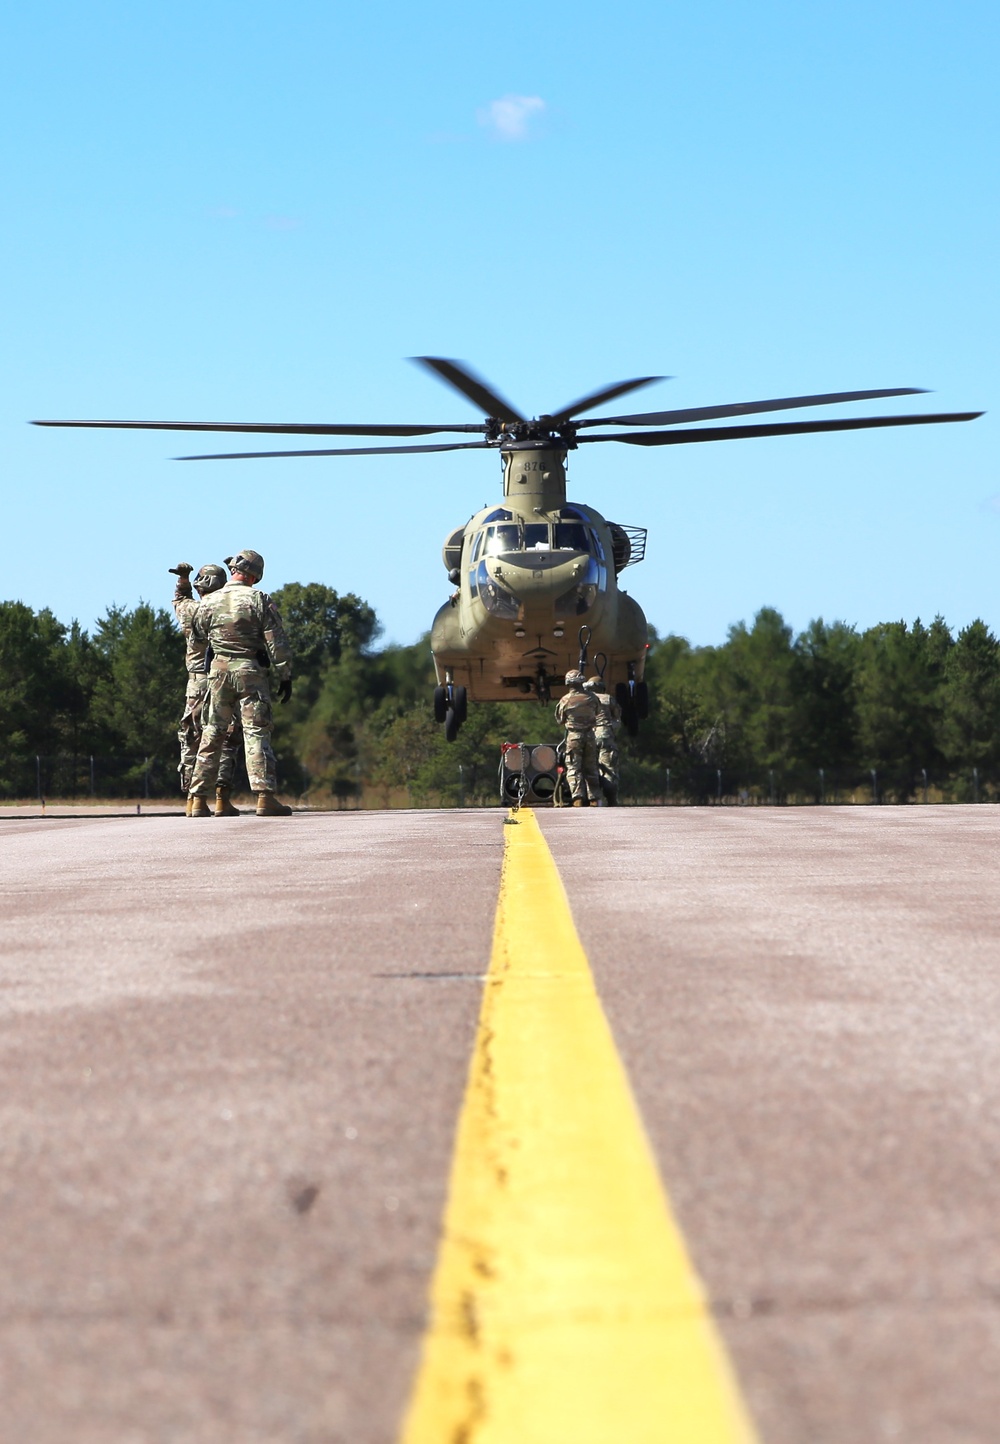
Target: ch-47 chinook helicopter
(536,577)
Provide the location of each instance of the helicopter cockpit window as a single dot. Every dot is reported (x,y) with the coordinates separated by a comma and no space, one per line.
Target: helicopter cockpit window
(572,536)
(501,539)
(477,546)
(536,537)
(499,515)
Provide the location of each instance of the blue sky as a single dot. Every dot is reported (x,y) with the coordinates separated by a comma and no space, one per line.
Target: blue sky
(246,212)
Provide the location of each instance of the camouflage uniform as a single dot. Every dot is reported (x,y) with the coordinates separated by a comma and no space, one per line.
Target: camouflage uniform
(189,731)
(606,736)
(242,626)
(578,712)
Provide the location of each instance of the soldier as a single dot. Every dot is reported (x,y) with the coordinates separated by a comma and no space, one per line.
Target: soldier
(209,579)
(606,737)
(244,631)
(578,712)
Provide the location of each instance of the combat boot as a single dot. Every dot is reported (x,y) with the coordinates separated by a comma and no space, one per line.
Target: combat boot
(579,802)
(187,806)
(199,807)
(223,807)
(269,806)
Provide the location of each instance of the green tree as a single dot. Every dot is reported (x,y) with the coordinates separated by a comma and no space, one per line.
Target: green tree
(138,695)
(321,625)
(900,702)
(970,734)
(34,694)
(824,723)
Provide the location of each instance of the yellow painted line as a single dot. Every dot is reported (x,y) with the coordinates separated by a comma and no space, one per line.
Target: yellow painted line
(564,1308)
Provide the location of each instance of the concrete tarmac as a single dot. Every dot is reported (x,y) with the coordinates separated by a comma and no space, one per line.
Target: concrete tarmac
(232,1054)
(807,1002)
(231,1058)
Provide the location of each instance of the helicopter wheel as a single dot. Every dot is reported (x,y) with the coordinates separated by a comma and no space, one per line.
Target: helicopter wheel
(460,702)
(631,718)
(641,700)
(451,725)
(440,703)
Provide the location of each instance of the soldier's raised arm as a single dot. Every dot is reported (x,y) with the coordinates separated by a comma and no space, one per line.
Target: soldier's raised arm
(185,602)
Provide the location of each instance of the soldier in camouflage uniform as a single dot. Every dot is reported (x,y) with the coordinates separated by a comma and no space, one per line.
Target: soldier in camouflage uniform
(578,712)
(244,631)
(209,579)
(606,737)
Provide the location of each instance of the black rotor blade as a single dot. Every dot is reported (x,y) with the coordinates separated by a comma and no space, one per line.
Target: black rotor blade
(478,391)
(777,428)
(345,451)
(288,428)
(587,403)
(749,408)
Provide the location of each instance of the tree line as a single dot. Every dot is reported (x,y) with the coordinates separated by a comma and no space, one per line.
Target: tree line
(895,712)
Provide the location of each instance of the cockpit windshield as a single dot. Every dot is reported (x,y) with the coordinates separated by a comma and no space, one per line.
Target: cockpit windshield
(503,538)
(495,540)
(572,536)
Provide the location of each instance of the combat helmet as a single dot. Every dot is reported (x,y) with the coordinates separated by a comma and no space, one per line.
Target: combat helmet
(574,679)
(210,578)
(250,563)
(594,684)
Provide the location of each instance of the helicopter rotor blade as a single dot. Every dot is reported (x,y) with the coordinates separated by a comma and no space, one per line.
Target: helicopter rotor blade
(343,451)
(749,408)
(478,391)
(608,393)
(291,428)
(777,428)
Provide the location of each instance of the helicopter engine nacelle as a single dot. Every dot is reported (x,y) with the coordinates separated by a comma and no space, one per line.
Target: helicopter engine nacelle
(451,552)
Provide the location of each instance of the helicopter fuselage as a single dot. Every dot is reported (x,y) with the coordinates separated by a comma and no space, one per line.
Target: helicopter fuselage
(529,573)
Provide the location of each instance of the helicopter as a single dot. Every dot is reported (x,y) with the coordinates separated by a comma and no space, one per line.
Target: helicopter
(535,575)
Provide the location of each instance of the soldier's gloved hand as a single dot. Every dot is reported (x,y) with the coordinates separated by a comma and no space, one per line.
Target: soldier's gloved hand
(285,691)
(182,569)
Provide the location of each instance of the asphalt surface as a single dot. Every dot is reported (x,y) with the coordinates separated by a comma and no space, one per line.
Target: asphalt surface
(232,1054)
(229,1075)
(807,1002)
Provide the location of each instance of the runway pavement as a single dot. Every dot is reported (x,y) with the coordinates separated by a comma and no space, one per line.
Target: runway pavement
(233,1054)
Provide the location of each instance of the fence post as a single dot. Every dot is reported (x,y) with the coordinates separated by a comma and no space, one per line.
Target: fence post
(923,772)
(822,786)
(145,778)
(874,785)
(718,784)
(975,784)
(461,785)
(38,775)
(92,774)
(770,786)
(668,788)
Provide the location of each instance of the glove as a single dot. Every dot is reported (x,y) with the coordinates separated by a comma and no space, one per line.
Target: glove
(182,569)
(285,691)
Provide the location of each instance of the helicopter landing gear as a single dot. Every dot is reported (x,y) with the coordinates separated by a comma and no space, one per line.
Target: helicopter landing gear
(451,706)
(542,687)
